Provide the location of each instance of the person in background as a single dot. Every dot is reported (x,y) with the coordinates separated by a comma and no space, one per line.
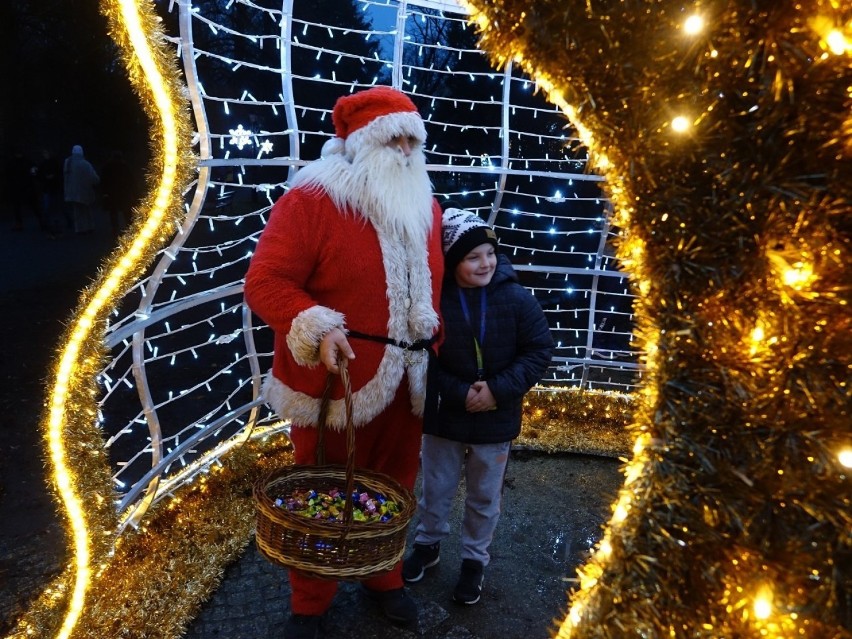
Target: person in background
(20,187)
(80,179)
(497,345)
(350,265)
(49,181)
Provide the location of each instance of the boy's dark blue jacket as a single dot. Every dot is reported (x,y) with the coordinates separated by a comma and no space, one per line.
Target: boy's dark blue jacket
(517,350)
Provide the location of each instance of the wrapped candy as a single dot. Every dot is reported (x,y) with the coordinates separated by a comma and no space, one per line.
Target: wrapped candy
(329,506)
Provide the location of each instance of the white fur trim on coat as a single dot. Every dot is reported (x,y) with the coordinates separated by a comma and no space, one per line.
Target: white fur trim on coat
(367,402)
(411,314)
(308,329)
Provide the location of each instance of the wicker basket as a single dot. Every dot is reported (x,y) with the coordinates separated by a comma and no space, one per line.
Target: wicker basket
(346,550)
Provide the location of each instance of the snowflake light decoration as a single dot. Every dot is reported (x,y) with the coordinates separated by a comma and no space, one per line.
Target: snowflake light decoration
(240,137)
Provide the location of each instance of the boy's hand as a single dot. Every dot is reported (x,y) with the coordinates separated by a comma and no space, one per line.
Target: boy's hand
(479,398)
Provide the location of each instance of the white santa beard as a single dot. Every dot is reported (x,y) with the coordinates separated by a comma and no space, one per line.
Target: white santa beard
(394,191)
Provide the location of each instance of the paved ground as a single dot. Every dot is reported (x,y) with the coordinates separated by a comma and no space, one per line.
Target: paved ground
(40,280)
(553,505)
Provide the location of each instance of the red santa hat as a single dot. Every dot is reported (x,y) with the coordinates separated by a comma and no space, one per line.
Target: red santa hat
(371,118)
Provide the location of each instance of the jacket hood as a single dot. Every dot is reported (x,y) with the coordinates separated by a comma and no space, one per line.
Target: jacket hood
(504,272)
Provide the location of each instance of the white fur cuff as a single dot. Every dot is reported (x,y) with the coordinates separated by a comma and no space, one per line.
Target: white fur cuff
(307,331)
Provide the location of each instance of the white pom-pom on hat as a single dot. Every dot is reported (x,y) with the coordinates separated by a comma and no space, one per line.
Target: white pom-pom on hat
(333,146)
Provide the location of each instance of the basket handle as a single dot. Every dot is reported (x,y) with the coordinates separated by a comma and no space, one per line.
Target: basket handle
(342,364)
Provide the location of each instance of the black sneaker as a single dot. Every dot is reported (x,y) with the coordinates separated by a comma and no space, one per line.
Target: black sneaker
(469,587)
(395,604)
(302,627)
(422,557)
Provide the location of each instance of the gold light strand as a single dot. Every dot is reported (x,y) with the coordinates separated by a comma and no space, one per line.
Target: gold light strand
(76,359)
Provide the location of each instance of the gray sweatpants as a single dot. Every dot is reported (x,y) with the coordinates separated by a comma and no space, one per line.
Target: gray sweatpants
(442,461)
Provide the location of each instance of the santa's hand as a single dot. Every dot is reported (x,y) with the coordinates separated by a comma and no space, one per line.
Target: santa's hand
(333,345)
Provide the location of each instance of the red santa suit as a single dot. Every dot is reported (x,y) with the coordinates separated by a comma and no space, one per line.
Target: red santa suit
(322,262)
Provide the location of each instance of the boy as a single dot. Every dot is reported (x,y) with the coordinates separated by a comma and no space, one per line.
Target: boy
(497,345)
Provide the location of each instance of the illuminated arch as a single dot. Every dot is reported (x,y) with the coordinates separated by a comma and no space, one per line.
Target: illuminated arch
(261,83)
(163,362)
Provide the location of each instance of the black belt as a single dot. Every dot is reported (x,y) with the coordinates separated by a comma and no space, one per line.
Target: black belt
(419,345)
(431,399)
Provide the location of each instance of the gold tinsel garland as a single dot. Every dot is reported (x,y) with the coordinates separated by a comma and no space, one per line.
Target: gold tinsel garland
(158,576)
(576,421)
(81,478)
(722,129)
(189,541)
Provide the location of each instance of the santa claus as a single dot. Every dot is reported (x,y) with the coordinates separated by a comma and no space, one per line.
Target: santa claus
(350,265)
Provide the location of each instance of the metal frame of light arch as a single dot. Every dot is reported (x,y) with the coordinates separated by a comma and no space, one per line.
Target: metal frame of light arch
(152,486)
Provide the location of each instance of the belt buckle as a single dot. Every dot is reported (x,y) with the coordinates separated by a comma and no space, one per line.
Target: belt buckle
(410,358)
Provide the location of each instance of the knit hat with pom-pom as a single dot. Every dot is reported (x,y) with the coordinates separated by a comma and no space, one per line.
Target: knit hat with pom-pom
(463,231)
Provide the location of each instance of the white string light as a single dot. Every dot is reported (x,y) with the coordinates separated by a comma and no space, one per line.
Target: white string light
(501,151)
